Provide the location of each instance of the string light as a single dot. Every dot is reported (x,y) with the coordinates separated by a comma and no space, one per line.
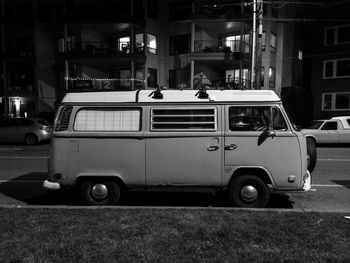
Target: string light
(104,79)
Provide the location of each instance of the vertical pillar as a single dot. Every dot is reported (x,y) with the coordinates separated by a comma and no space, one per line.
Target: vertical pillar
(193,35)
(4,65)
(132,46)
(66,63)
(253,47)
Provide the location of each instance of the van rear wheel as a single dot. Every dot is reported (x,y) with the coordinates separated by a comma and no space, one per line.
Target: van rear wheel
(100,192)
(248,191)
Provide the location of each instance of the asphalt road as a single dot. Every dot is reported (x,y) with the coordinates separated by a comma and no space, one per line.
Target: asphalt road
(23,168)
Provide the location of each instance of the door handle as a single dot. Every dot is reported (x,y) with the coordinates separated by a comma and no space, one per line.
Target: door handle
(230,147)
(213,148)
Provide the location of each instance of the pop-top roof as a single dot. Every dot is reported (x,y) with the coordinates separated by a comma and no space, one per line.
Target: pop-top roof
(143,96)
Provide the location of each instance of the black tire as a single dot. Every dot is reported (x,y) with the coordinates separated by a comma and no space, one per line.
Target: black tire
(31,139)
(110,197)
(240,183)
(312,154)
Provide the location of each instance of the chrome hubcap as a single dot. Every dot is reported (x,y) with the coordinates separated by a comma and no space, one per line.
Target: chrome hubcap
(99,191)
(249,193)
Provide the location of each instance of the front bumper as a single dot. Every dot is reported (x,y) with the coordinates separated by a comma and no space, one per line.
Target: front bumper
(307,182)
(51,185)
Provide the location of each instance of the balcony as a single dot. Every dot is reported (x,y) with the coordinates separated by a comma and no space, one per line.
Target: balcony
(221,83)
(212,46)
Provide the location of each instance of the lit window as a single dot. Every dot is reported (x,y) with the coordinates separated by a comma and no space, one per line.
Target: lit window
(152,44)
(124,44)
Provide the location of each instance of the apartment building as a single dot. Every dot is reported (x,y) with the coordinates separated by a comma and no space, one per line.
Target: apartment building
(328,60)
(28,79)
(101,45)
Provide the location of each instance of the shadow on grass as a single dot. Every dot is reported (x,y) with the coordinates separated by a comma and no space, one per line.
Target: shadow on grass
(345,183)
(28,189)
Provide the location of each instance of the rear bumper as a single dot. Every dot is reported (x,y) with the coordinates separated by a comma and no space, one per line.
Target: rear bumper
(53,186)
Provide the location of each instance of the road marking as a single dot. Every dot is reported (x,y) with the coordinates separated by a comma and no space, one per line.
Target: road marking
(331,185)
(24,157)
(334,160)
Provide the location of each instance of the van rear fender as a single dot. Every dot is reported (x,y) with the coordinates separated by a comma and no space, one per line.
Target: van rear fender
(261,172)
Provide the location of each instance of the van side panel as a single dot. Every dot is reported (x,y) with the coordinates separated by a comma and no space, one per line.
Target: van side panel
(123,157)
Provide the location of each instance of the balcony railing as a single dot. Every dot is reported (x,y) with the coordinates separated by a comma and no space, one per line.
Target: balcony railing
(209,46)
(221,83)
(98,47)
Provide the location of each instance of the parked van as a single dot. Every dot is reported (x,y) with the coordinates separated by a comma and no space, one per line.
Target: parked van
(239,141)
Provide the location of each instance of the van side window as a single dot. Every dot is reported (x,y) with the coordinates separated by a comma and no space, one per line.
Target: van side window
(108,119)
(183,119)
(255,118)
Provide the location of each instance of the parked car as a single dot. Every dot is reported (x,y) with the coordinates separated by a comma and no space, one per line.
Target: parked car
(328,131)
(345,120)
(29,131)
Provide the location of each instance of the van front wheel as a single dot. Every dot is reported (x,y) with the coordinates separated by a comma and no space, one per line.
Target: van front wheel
(100,192)
(248,191)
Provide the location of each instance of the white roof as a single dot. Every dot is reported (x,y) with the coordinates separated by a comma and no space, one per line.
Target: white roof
(173,96)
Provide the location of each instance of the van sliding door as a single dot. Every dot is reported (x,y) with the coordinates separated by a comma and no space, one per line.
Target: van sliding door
(184,146)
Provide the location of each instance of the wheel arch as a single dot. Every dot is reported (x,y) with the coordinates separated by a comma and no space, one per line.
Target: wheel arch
(260,172)
(116,178)
(311,137)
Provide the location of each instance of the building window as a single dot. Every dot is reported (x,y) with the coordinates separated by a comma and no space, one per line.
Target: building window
(337,35)
(273,42)
(152,9)
(336,68)
(152,78)
(107,119)
(183,119)
(124,44)
(272,78)
(179,44)
(234,43)
(139,44)
(232,78)
(336,101)
(151,44)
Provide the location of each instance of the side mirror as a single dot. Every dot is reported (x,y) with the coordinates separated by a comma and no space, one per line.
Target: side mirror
(266,134)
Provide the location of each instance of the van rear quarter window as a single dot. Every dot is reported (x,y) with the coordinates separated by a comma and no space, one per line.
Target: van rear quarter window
(108,119)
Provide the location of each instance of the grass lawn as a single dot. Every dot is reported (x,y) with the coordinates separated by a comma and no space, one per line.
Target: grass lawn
(166,235)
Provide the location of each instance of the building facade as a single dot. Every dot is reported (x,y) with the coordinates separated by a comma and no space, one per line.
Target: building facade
(328,60)
(101,45)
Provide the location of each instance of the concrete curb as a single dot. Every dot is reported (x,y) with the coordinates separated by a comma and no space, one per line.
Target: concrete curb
(227,209)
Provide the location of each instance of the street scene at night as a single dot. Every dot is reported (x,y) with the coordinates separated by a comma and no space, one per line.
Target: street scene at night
(175,130)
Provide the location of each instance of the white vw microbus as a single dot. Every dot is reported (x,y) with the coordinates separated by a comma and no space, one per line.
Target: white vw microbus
(240,141)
